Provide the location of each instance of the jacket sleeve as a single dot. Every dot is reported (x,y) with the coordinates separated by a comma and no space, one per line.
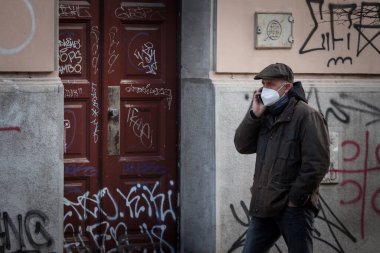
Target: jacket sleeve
(315,155)
(246,134)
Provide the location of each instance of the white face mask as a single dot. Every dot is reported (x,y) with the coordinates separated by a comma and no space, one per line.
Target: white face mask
(270,96)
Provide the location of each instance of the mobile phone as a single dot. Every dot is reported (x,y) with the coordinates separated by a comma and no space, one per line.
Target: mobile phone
(260,100)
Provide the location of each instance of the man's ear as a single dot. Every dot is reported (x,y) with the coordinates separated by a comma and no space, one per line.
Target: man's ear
(288,86)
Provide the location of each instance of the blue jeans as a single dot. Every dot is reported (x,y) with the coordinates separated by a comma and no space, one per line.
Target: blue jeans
(295,224)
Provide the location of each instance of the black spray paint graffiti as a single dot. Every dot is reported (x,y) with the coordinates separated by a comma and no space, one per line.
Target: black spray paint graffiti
(364,19)
(34,224)
(326,216)
(340,108)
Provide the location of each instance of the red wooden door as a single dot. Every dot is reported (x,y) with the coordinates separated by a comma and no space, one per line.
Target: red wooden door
(118,64)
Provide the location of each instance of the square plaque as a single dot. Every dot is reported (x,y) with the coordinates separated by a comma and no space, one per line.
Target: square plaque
(274,30)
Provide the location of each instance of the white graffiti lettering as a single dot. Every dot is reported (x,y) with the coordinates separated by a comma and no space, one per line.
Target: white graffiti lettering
(124,13)
(141,199)
(151,91)
(73,93)
(114,43)
(70,56)
(95,112)
(72,11)
(141,129)
(95,49)
(147,58)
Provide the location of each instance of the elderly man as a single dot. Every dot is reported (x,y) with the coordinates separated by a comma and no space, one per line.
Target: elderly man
(291,143)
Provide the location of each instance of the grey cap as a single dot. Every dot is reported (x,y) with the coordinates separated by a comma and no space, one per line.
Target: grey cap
(276,71)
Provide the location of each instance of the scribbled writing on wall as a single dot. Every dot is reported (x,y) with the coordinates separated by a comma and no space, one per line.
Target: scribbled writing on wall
(10,129)
(32,228)
(361,195)
(70,56)
(141,203)
(112,50)
(341,109)
(69,122)
(147,90)
(95,110)
(141,129)
(73,11)
(24,43)
(340,26)
(95,34)
(147,58)
(137,13)
(87,171)
(73,93)
(326,217)
(143,168)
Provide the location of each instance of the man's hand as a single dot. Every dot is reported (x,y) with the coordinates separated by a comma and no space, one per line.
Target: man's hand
(290,204)
(258,107)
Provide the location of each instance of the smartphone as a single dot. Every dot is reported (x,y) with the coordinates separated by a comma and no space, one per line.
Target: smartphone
(259,96)
(260,100)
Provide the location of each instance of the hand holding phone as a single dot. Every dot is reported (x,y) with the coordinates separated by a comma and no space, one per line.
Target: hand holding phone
(258,107)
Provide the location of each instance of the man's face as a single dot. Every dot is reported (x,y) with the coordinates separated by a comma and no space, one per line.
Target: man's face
(276,84)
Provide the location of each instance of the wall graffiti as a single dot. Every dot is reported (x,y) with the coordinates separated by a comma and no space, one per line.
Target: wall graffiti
(95,110)
(114,43)
(73,11)
(143,168)
(147,90)
(73,93)
(359,188)
(349,103)
(139,201)
(124,13)
(141,129)
(10,129)
(343,20)
(28,39)
(128,13)
(33,228)
(88,171)
(147,58)
(95,33)
(70,56)
(70,123)
(326,216)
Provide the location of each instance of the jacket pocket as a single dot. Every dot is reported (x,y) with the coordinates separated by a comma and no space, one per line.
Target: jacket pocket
(287,163)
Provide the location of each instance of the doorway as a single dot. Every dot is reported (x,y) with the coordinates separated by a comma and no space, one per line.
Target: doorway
(118,64)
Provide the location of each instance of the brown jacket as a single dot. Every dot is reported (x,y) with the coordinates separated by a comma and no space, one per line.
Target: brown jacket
(292,155)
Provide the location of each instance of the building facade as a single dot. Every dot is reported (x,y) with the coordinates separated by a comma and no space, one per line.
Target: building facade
(118,120)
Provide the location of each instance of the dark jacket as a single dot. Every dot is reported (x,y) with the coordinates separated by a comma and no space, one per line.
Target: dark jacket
(292,155)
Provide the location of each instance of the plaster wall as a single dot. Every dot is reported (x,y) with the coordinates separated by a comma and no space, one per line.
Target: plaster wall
(31,128)
(349,219)
(334,36)
(215,179)
(27,35)
(31,155)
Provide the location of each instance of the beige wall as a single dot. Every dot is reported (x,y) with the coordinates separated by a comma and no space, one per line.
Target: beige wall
(236,51)
(27,35)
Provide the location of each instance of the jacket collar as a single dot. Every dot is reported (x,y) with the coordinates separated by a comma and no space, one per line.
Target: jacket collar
(285,116)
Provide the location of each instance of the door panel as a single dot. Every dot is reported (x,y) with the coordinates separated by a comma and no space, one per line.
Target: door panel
(79,39)
(141,46)
(121,160)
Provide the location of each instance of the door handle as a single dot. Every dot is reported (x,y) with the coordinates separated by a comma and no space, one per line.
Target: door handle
(113,113)
(113,129)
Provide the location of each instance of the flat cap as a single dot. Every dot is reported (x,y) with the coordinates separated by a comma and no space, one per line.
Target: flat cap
(276,71)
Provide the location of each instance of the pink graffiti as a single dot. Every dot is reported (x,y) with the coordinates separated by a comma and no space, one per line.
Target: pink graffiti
(357,147)
(10,129)
(360,187)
